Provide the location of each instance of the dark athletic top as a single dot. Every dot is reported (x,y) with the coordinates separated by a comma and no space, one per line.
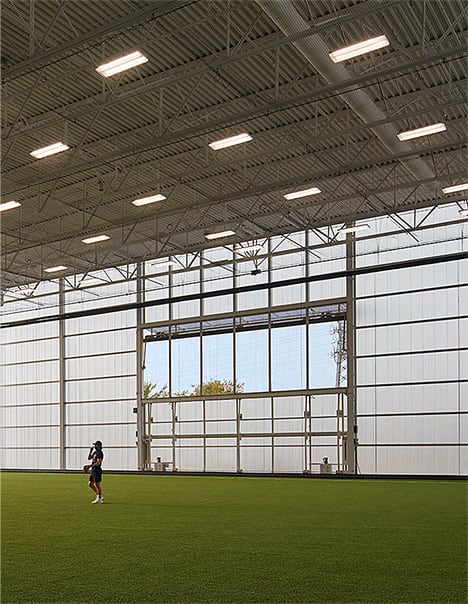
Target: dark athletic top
(98,454)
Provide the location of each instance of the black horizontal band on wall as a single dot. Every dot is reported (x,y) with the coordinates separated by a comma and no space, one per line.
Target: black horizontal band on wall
(242,474)
(366,270)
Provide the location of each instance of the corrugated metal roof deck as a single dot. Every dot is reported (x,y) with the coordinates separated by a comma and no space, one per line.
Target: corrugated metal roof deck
(215,69)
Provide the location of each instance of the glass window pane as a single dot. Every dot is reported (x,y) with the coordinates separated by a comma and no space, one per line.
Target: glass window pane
(325,344)
(252,360)
(217,364)
(288,357)
(185,366)
(156,376)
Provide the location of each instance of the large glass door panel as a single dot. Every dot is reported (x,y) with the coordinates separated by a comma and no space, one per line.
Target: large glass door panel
(252,360)
(185,366)
(288,357)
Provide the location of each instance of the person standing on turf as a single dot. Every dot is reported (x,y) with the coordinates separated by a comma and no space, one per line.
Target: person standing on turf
(95,477)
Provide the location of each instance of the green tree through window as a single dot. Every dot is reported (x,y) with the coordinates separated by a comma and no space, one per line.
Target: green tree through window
(152,389)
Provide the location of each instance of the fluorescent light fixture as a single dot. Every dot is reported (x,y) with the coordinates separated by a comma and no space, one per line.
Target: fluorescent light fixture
(95,239)
(455,188)
(303,193)
(50,150)
(164,264)
(463,212)
(425,131)
(55,269)
(231,141)
(8,205)
(145,200)
(353,229)
(220,234)
(249,250)
(122,64)
(359,49)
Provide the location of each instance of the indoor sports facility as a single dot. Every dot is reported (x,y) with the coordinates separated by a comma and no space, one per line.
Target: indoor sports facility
(234,251)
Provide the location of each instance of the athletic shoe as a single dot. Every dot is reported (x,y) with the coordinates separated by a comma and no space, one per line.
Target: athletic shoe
(97,500)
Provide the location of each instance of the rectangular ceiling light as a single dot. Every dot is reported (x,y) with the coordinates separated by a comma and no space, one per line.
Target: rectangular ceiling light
(229,142)
(8,205)
(425,131)
(55,269)
(249,250)
(50,150)
(463,212)
(163,264)
(354,229)
(122,64)
(455,188)
(95,239)
(359,49)
(303,193)
(145,200)
(220,234)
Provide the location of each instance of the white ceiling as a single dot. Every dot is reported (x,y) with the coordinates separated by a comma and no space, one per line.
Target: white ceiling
(217,68)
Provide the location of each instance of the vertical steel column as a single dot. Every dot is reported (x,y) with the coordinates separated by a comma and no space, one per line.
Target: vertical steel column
(171,385)
(238,435)
(62,377)
(141,441)
(339,431)
(338,440)
(270,378)
(308,287)
(307,433)
(351,440)
(272,408)
(204,435)
(201,274)
(308,398)
(174,435)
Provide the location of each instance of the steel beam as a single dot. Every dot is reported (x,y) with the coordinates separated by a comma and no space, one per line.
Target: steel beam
(62,379)
(351,366)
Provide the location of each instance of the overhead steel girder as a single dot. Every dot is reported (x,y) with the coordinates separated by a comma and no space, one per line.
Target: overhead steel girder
(156,10)
(267,109)
(95,163)
(273,186)
(316,52)
(267,42)
(186,217)
(316,123)
(171,248)
(270,209)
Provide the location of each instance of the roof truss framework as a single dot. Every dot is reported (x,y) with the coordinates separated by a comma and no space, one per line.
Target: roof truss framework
(214,69)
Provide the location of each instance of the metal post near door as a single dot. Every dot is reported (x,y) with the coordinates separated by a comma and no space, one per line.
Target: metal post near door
(351,435)
(238,435)
(142,444)
(174,434)
(308,434)
(62,376)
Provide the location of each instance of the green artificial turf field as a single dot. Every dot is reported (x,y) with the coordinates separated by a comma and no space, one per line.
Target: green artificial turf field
(200,539)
